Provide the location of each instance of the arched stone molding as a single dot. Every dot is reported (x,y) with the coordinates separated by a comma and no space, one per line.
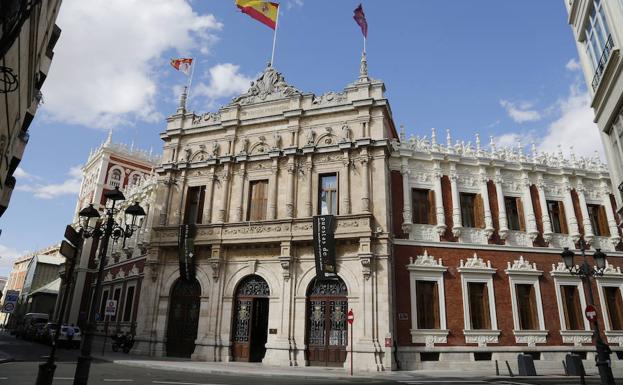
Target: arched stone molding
(110,172)
(345,273)
(271,279)
(141,178)
(199,156)
(202,277)
(326,139)
(260,147)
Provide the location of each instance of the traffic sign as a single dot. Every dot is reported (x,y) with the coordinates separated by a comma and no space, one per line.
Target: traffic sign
(10,301)
(591,313)
(67,250)
(351,316)
(111,307)
(72,235)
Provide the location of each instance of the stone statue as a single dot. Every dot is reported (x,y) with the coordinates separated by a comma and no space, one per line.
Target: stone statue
(215,147)
(309,138)
(345,133)
(245,146)
(276,140)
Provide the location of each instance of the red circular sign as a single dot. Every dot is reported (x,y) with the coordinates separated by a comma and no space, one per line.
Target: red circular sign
(351,316)
(591,313)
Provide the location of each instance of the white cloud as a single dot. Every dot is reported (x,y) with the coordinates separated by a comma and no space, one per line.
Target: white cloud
(21,174)
(294,3)
(521,112)
(573,65)
(7,257)
(69,186)
(105,64)
(225,80)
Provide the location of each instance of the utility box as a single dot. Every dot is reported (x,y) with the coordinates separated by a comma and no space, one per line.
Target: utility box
(575,367)
(525,363)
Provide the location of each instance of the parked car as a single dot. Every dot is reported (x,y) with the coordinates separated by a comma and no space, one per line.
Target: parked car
(66,338)
(31,324)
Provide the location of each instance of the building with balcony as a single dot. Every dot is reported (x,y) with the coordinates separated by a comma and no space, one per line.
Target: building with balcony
(478,235)
(598,30)
(27,38)
(230,271)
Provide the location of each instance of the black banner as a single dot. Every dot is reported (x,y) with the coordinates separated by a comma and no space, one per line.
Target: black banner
(186,247)
(324,246)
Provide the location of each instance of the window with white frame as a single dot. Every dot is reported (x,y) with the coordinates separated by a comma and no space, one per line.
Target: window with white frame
(528,321)
(114,178)
(610,289)
(128,303)
(428,311)
(571,302)
(597,33)
(479,312)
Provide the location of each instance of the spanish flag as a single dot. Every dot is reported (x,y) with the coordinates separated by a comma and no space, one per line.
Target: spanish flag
(263,11)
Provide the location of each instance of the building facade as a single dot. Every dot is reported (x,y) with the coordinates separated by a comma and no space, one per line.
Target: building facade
(246,181)
(27,38)
(113,165)
(598,30)
(478,237)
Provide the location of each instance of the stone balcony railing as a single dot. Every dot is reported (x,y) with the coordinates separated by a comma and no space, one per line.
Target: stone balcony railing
(280,230)
(561,241)
(518,238)
(425,233)
(603,243)
(473,235)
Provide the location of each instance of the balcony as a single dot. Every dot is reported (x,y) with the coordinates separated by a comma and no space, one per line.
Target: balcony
(603,60)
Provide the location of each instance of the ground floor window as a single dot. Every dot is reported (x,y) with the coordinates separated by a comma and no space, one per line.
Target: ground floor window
(478,305)
(614,307)
(427,305)
(526,307)
(571,307)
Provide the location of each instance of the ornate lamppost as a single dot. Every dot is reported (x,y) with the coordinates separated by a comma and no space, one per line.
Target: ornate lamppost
(112,230)
(586,272)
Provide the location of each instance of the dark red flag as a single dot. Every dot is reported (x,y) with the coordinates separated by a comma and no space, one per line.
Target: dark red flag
(360,19)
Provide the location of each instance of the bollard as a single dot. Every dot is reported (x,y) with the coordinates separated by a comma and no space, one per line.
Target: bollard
(510,372)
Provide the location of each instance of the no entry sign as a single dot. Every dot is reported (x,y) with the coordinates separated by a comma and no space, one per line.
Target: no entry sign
(351,316)
(591,313)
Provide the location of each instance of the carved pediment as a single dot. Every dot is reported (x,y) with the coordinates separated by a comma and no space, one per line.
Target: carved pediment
(270,85)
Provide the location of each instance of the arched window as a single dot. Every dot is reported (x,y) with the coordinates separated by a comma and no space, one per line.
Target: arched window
(115,178)
(136,180)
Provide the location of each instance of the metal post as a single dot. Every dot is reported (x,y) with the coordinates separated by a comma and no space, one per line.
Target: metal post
(83,366)
(351,349)
(107,319)
(45,375)
(603,351)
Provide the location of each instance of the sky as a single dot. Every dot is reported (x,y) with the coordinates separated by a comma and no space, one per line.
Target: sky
(506,69)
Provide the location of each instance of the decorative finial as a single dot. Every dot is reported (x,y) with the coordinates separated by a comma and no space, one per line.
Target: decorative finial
(448,137)
(403,135)
(478,143)
(108,141)
(492,145)
(363,68)
(182,108)
(534,153)
(433,136)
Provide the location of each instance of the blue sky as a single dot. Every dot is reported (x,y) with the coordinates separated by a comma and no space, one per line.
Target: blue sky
(501,68)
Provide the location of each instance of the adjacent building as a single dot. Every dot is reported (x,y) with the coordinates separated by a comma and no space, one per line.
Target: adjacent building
(28,35)
(598,30)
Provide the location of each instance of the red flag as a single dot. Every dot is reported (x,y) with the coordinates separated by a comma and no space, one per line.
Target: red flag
(360,19)
(182,64)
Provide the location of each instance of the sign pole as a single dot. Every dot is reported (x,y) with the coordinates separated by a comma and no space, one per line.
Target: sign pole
(105,333)
(351,319)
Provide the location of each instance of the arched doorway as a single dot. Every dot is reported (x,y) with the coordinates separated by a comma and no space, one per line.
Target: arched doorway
(327,331)
(183,318)
(250,319)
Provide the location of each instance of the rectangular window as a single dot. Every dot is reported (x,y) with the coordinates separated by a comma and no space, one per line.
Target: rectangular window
(103,304)
(479,305)
(116,296)
(258,199)
(614,306)
(468,202)
(195,197)
(128,304)
(514,213)
(526,307)
(427,305)
(327,194)
(597,215)
(423,206)
(556,212)
(571,306)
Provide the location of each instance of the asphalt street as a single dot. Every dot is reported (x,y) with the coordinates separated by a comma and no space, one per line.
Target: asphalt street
(26,356)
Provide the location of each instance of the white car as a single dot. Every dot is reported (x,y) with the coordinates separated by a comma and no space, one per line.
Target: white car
(63,338)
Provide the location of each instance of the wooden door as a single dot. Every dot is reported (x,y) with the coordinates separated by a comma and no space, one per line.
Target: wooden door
(250,320)
(327,330)
(183,318)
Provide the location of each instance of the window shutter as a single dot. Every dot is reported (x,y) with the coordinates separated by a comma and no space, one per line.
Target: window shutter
(603,222)
(485,307)
(563,218)
(522,221)
(435,296)
(432,217)
(479,212)
(201,199)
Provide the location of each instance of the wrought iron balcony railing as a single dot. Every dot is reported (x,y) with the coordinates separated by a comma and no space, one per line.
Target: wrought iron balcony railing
(601,65)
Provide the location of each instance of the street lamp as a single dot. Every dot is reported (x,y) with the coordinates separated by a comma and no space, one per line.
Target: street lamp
(585,272)
(112,230)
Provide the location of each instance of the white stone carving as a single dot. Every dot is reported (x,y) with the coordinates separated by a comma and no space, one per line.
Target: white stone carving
(518,238)
(521,265)
(530,337)
(560,241)
(475,262)
(576,337)
(425,261)
(271,85)
(603,243)
(473,235)
(481,337)
(420,232)
(429,337)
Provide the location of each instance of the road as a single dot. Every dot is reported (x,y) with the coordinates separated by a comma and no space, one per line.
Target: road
(28,355)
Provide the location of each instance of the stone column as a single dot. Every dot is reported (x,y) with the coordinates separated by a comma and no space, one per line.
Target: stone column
(501,205)
(225,193)
(309,166)
(237,217)
(439,212)
(272,189)
(612,223)
(457,221)
(345,184)
(570,212)
(484,192)
(547,224)
(365,181)
(531,228)
(207,209)
(586,221)
(290,189)
(406,197)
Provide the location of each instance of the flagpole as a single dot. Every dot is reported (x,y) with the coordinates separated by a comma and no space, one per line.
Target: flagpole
(190,80)
(364,44)
(272,56)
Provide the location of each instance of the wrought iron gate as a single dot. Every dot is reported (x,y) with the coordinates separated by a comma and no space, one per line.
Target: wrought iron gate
(327,331)
(250,321)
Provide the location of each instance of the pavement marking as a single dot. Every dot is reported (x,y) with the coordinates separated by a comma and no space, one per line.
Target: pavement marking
(117,380)
(64,378)
(424,382)
(181,383)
